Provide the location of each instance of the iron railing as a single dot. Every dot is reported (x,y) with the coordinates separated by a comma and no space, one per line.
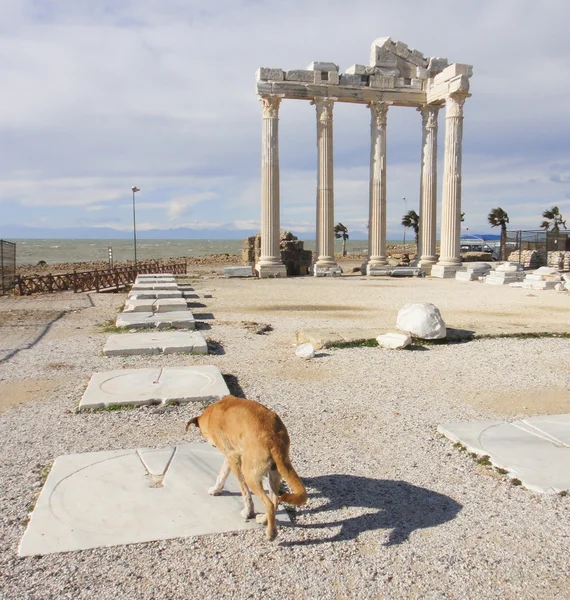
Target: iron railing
(7,266)
(98,280)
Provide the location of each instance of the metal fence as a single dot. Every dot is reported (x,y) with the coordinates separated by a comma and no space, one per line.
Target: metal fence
(7,266)
(98,280)
(539,240)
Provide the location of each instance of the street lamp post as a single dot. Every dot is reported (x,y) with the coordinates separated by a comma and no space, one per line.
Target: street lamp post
(135,189)
(404,227)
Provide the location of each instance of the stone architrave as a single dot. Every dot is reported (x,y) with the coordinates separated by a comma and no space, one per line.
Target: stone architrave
(428,186)
(325,188)
(449,259)
(377,207)
(270,264)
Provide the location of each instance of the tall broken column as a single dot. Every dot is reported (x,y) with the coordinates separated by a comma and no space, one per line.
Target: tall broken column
(449,255)
(377,202)
(270,264)
(325,264)
(428,187)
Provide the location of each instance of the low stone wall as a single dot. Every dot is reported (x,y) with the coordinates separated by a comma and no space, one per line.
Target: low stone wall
(559,260)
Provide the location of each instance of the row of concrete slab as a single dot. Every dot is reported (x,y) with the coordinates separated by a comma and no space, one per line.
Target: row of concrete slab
(130,484)
(512,274)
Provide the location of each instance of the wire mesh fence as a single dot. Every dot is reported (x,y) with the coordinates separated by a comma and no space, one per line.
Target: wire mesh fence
(7,266)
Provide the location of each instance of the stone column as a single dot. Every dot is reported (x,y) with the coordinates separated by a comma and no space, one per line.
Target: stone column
(377,207)
(270,264)
(449,258)
(428,187)
(325,264)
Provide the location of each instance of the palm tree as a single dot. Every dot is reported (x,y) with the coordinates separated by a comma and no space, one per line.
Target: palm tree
(412,219)
(341,231)
(499,218)
(554,218)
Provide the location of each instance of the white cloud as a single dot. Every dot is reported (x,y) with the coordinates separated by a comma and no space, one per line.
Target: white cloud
(98,96)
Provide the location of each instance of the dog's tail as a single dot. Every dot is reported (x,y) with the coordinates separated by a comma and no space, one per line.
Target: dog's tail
(286,470)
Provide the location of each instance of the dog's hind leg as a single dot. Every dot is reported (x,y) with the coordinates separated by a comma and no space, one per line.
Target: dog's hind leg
(234,462)
(274,484)
(217,488)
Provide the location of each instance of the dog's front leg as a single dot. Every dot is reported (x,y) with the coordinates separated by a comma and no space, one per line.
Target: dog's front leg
(217,488)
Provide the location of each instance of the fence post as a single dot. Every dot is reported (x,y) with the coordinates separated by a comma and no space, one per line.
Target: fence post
(96,280)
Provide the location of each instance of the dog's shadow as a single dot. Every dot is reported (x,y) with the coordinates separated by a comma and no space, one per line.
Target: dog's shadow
(392,505)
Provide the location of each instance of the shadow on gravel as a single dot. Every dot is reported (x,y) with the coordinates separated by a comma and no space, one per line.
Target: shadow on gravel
(397,505)
(233,385)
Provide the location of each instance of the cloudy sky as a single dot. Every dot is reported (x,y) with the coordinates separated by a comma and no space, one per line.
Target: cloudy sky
(101,95)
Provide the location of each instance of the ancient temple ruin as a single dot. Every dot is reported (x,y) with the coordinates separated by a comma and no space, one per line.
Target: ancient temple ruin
(396,76)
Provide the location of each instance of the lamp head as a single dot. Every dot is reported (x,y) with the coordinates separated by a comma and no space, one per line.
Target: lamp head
(135,188)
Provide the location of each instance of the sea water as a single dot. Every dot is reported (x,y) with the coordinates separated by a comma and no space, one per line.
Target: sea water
(31,251)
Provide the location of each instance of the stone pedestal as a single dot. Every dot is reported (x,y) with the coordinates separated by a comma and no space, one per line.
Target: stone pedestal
(326,270)
(445,271)
(270,259)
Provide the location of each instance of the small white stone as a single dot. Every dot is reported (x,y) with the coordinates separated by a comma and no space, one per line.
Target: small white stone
(559,287)
(394,341)
(305,351)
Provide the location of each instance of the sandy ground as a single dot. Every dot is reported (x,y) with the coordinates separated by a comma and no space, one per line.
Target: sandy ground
(394,510)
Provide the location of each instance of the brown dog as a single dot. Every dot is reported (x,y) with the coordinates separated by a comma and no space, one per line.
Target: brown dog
(255,443)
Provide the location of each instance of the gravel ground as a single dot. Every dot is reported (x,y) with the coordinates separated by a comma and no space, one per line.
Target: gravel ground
(394,510)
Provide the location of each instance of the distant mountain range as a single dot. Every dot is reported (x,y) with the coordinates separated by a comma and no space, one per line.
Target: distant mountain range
(8,232)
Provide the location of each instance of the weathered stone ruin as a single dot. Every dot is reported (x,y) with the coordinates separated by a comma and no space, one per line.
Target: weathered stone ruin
(296,260)
(529,259)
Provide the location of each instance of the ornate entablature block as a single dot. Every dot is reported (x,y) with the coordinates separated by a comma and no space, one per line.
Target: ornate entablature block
(396,74)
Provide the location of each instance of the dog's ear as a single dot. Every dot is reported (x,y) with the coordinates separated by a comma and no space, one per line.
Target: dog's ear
(193,421)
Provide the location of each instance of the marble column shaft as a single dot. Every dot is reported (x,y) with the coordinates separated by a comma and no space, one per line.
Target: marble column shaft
(270,253)
(428,186)
(377,206)
(451,196)
(325,183)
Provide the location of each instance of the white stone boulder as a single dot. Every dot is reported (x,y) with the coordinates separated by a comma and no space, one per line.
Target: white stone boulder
(394,341)
(560,287)
(422,320)
(305,351)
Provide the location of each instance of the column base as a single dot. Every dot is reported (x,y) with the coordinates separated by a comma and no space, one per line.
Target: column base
(265,271)
(445,271)
(326,270)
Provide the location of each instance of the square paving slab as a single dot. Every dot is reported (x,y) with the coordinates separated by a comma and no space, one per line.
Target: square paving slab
(181,319)
(154,386)
(535,450)
(100,499)
(157,306)
(153,294)
(162,286)
(164,342)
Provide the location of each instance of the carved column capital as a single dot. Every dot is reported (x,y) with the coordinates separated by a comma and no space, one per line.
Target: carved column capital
(454,106)
(379,111)
(270,106)
(324,108)
(429,115)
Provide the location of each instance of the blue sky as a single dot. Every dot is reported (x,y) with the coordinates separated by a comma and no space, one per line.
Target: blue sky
(98,96)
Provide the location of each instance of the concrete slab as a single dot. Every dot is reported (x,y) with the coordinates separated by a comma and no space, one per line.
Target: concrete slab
(156,306)
(167,342)
(155,287)
(325,338)
(155,276)
(102,499)
(135,387)
(153,294)
(159,282)
(535,450)
(182,319)
(238,272)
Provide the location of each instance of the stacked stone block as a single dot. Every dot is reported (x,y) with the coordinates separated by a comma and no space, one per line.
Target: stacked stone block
(529,259)
(559,260)
(296,259)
